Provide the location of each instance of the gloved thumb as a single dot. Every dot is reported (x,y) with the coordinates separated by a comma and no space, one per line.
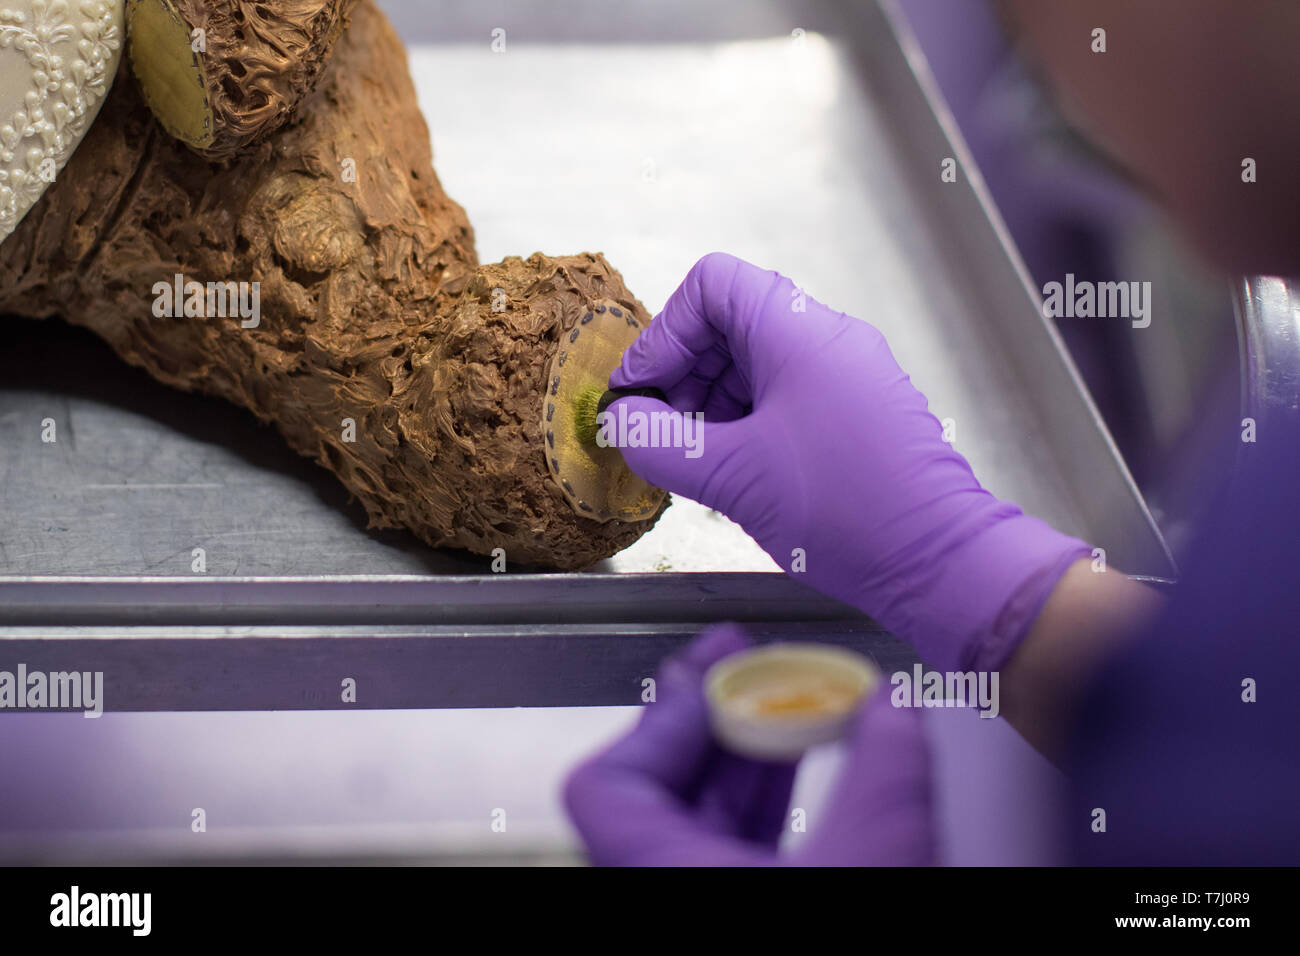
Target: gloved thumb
(880,809)
(679,451)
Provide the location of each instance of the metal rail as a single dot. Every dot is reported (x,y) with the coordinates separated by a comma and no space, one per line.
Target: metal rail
(407,642)
(1268,330)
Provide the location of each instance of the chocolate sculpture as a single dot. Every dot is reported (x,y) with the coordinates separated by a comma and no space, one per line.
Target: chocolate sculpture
(380,347)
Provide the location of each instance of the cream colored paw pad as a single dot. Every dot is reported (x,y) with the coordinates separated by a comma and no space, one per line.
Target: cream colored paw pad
(595,480)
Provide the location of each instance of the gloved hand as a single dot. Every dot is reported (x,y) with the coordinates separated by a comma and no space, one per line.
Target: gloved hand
(667,795)
(818,445)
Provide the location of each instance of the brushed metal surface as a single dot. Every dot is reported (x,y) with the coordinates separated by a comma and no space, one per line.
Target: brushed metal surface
(1268,330)
(280,668)
(550,599)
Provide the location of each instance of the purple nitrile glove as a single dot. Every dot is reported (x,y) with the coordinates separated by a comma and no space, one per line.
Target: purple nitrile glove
(667,795)
(818,445)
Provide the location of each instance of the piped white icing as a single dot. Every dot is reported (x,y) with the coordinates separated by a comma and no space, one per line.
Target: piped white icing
(57,62)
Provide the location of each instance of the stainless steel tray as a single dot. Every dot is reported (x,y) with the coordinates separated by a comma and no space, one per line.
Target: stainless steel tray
(794,153)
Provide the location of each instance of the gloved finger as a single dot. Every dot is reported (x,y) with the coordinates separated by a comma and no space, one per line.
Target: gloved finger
(672,739)
(747,798)
(880,808)
(717,303)
(729,397)
(645,830)
(707,461)
(640,785)
(714,387)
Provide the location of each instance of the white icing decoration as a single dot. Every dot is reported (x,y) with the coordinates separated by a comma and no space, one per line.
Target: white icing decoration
(60,61)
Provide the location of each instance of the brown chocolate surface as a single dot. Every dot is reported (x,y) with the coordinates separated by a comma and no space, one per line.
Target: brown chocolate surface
(373,306)
(258,62)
